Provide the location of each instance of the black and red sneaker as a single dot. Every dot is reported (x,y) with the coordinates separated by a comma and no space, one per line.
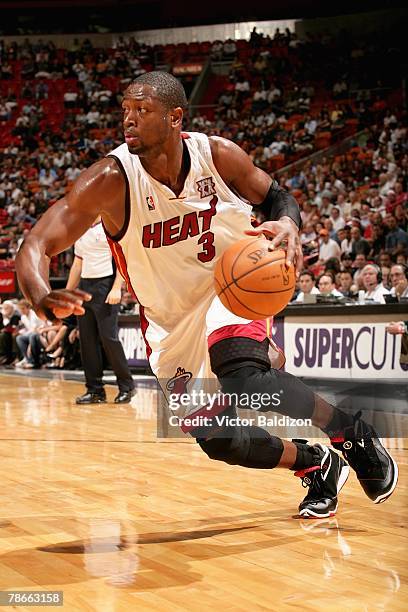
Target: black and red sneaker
(325,480)
(376,470)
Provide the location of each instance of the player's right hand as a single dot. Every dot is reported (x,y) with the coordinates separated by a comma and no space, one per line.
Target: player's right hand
(395,327)
(62,303)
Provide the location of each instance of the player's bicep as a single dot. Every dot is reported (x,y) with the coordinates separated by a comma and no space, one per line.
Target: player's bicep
(96,190)
(61,226)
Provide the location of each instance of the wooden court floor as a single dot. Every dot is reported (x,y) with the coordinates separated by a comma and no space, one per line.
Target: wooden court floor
(91,503)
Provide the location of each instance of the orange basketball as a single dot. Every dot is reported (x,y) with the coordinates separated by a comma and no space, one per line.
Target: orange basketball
(252,280)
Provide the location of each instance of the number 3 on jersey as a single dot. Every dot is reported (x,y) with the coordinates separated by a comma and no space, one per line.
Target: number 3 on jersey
(208,252)
(207,239)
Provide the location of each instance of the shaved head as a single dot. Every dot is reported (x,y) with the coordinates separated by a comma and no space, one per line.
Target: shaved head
(167,89)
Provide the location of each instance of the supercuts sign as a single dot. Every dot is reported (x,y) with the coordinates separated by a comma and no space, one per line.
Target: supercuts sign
(352,350)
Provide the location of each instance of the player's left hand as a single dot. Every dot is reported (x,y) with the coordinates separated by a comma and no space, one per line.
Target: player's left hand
(283,231)
(113,296)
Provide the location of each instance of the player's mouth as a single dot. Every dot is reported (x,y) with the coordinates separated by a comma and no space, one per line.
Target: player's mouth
(131,139)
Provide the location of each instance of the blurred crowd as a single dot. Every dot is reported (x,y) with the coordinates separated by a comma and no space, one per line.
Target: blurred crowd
(285,97)
(354,207)
(27,342)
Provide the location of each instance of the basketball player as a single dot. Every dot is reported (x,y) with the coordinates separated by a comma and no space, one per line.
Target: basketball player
(171,203)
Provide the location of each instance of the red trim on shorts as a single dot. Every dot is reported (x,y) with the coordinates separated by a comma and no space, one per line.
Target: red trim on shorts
(144,324)
(121,264)
(256,330)
(184,135)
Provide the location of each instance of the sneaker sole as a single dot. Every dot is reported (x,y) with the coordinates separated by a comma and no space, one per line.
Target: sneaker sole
(344,474)
(309,514)
(384,496)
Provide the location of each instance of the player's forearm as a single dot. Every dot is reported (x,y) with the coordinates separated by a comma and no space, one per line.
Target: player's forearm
(32,268)
(279,204)
(286,206)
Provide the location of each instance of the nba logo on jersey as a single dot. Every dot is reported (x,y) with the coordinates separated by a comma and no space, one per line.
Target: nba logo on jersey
(206,187)
(150,203)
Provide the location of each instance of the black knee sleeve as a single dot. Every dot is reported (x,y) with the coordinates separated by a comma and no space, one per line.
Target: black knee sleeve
(250,447)
(231,353)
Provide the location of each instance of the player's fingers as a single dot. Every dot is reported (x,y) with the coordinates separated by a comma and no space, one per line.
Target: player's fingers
(53,303)
(74,295)
(78,310)
(269,228)
(61,313)
(83,295)
(58,306)
(298,260)
(254,232)
(291,251)
(276,242)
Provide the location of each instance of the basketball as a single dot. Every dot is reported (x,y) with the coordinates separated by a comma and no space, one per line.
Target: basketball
(252,280)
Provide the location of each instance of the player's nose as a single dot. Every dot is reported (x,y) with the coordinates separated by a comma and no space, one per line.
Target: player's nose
(130,120)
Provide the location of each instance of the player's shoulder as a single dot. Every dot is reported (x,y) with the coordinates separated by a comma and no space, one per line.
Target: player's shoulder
(223,146)
(103,174)
(102,184)
(230,160)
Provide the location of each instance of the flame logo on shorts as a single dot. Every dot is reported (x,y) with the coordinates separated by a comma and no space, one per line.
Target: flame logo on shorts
(178,384)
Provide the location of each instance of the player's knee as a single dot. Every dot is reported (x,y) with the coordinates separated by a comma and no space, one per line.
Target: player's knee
(233,450)
(250,447)
(218,449)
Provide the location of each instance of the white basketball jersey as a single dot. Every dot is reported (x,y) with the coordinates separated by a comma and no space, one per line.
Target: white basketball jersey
(169,245)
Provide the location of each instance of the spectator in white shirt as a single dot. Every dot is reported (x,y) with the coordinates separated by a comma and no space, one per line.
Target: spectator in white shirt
(92,117)
(336,219)
(70,98)
(328,247)
(310,125)
(371,278)
(308,234)
(72,173)
(306,286)
(346,244)
(47,177)
(30,323)
(326,285)
(325,206)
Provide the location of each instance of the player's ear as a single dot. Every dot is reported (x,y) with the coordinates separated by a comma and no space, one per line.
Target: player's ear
(177,117)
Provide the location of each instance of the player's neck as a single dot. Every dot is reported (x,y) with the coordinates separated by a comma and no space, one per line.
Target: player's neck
(169,166)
